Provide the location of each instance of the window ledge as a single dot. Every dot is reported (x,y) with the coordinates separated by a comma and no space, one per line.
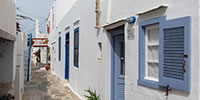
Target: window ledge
(148,83)
(76,66)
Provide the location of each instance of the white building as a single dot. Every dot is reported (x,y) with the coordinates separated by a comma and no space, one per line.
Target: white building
(21,65)
(40,42)
(7,46)
(158,51)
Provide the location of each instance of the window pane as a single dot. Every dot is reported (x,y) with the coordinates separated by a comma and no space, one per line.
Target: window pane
(153,35)
(122,69)
(153,52)
(76,39)
(76,56)
(153,70)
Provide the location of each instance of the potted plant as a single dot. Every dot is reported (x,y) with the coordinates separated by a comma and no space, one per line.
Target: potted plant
(92,95)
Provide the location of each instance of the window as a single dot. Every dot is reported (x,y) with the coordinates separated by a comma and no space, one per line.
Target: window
(76,47)
(164,53)
(100,51)
(152,51)
(59,52)
(53,18)
(53,21)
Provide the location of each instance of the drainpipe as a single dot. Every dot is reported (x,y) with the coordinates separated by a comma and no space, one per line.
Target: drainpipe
(97,14)
(29,54)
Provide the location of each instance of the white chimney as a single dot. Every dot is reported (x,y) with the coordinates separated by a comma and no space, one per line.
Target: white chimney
(37,27)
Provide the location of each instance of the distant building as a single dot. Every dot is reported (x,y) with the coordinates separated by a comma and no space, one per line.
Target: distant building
(127,49)
(41,43)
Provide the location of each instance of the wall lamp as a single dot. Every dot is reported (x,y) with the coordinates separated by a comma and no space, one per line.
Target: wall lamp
(131,19)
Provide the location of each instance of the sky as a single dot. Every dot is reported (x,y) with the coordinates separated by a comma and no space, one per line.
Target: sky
(34,9)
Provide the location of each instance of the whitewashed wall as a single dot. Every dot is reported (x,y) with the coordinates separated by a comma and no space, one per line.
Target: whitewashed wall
(95,73)
(7,20)
(19,76)
(62,7)
(7,46)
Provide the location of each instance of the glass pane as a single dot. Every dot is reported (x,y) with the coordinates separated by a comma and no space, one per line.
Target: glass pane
(153,70)
(76,56)
(153,52)
(122,69)
(76,39)
(153,35)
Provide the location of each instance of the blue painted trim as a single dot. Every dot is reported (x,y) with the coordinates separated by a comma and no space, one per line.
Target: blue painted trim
(113,34)
(29,55)
(76,30)
(67,37)
(175,83)
(112,67)
(142,25)
(149,83)
(59,48)
(188,44)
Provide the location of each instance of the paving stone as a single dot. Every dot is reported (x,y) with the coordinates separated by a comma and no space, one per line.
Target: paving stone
(46,86)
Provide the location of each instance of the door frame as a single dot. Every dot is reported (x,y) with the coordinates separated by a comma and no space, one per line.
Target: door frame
(67,75)
(113,34)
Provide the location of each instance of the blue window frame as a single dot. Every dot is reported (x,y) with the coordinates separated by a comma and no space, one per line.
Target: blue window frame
(174,53)
(142,51)
(76,47)
(59,48)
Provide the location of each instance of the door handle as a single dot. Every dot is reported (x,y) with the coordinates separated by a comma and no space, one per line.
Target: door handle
(184,63)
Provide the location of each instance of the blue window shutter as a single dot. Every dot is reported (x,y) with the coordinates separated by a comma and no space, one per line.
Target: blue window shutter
(176,49)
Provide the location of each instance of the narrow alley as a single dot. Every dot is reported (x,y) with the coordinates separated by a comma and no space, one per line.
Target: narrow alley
(99,49)
(43,85)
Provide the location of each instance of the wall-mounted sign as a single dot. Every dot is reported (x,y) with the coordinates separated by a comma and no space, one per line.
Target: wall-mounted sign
(131,32)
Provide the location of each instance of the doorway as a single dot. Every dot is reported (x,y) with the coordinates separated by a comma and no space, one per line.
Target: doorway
(118,65)
(67,56)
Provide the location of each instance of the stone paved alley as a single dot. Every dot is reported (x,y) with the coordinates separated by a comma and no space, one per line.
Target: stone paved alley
(45,86)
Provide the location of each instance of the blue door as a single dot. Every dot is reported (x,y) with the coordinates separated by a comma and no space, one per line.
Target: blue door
(118,67)
(67,56)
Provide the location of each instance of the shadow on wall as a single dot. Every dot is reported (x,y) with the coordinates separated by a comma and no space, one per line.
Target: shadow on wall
(149,15)
(161,90)
(6,67)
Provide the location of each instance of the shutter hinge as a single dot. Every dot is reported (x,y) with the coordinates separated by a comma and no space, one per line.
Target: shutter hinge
(167,90)
(184,66)
(185,55)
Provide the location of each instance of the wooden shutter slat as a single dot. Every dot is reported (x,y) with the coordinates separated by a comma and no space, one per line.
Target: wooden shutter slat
(170,32)
(175,58)
(174,69)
